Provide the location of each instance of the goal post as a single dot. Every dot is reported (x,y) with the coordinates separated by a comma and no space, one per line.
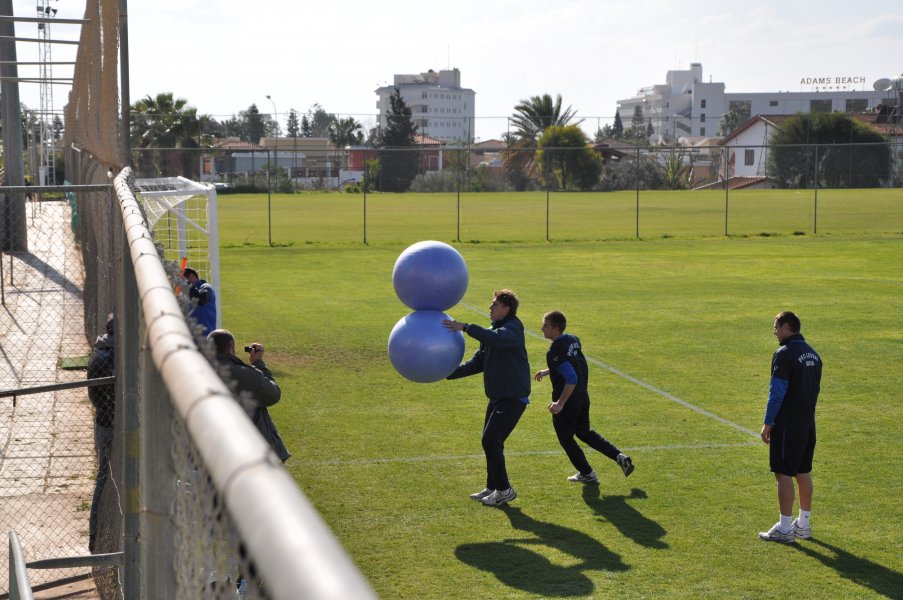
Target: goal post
(182,215)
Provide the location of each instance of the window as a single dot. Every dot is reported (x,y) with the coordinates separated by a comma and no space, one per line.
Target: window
(702,131)
(857,105)
(749,157)
(702,103)
(820,106)
(772,103)
(702,117)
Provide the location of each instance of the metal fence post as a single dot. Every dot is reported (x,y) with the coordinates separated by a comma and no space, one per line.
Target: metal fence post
(127,396)
(638,192)
(815,208)
(157,484)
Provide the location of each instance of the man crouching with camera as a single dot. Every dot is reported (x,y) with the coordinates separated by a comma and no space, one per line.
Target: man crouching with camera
(254,385)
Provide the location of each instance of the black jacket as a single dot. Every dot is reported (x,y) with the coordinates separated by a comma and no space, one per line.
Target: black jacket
(257,390)
(502,358)
(101,364)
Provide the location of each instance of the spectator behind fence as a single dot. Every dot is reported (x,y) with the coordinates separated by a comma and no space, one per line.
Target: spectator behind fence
(254,384)
(100,364)
(204,311)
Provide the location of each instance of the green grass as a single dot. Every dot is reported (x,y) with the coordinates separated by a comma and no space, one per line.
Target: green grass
(307,218)
(389,463)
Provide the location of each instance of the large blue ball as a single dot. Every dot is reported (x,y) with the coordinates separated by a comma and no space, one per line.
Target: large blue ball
(430,276)
(422,349)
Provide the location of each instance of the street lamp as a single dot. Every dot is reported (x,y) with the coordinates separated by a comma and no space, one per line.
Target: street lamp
(275,114)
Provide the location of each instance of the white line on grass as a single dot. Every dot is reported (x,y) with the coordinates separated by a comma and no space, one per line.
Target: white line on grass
(415,459)
(643,384)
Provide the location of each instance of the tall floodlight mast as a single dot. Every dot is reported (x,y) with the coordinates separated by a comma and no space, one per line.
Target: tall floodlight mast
(46,142)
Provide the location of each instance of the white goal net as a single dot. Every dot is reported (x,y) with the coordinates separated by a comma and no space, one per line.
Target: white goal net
(181,214)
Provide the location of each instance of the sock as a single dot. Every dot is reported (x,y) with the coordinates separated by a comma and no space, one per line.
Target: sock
(803,520)
(785,523)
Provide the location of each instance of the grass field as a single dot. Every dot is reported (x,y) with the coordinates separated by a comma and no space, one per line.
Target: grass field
(389,463)
(340,218)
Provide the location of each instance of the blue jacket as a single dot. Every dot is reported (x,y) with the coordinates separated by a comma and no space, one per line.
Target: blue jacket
(502,358)
(205,310)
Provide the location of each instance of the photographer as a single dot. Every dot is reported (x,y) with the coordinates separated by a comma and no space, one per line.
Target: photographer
(254,385)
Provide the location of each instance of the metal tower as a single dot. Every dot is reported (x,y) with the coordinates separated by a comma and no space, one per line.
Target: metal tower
(45,135)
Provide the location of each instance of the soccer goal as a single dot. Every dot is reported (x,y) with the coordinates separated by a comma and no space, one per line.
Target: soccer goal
(181,214)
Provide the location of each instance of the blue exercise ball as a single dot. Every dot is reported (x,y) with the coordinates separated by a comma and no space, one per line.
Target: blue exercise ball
(430,276)
(422,349)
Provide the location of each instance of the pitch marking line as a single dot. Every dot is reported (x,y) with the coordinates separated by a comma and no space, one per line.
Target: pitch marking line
(645,385)
(450,457)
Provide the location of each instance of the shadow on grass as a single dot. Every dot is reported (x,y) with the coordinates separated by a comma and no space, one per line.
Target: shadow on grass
(864,572)
(628,520)
(517,564)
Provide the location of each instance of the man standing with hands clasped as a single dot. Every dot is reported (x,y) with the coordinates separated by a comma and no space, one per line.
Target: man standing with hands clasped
(570,400)
(789,427)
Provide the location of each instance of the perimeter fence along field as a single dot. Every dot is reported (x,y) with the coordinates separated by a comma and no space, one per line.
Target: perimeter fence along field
(281,197)
(47,460)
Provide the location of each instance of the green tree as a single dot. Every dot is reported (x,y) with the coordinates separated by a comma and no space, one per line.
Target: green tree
(165,126)
(292,126)
(564,157)
(399,161)
(829,150)
(319,120)
(729,122)
(617,129)
(305,127)
(530,119)
(637,124)
(345,132)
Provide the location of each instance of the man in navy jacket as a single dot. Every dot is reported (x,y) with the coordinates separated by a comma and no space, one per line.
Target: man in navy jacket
(569,373)
(789,426)
(502,358)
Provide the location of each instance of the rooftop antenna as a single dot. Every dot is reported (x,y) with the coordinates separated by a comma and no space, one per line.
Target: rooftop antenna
(448,56)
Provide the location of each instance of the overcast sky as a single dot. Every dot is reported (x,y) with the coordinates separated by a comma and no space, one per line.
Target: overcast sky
(224,55)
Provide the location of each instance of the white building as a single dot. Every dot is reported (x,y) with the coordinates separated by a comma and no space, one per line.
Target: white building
(686,106)
(440,107)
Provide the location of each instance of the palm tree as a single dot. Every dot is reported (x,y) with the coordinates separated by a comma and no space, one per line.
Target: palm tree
(345,132)
(530,119)
(165,124)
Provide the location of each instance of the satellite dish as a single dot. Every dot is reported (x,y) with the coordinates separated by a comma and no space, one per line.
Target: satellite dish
(882,85)
(656,139)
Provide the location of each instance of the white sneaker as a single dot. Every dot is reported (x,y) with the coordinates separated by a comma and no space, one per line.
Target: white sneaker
(776,535)
(499,497)
(481,494)
(581,478)
(804,533)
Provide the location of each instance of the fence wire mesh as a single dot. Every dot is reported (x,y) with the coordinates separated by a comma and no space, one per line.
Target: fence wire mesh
(47,454)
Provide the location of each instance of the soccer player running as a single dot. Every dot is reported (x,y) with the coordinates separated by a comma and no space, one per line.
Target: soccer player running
(570,400)
(789,427)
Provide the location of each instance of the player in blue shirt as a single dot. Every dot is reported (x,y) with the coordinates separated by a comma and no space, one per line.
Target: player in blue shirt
(570,400)
(789,426)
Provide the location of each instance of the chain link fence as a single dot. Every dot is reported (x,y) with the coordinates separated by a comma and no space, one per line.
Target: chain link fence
(47,453)
(613,191)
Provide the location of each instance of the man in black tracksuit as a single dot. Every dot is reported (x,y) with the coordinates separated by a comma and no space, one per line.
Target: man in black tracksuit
(502,358)
(569,373)
(789,426)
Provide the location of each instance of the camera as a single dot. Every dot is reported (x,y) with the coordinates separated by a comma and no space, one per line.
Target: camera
(249,349)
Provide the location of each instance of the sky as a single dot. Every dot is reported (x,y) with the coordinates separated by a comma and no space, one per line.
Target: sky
(224,55)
